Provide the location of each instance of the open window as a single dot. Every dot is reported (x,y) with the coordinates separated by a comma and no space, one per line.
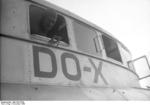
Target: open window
(142,68)
(111,48)
(47,25)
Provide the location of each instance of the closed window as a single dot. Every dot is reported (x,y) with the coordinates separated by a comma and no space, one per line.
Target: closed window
(85,38)
(47,23)
(111,48)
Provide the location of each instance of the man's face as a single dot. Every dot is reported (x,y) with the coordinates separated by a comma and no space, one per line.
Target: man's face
(49,22)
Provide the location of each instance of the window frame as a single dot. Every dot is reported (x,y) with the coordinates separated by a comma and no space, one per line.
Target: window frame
(108,57)
(42,38)
(97,46)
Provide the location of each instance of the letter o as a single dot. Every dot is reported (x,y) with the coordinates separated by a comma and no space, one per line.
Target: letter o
(64,68)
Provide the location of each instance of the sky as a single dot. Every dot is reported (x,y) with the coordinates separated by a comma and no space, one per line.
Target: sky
(127,20)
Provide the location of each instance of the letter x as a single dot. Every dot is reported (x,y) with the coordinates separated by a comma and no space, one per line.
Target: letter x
(97,71)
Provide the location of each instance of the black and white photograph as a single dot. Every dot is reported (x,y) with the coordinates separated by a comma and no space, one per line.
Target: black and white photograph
(74,50)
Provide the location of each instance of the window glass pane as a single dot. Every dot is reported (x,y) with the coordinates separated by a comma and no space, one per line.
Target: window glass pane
(85,38)
(142,67)
(47,23)
(111,48)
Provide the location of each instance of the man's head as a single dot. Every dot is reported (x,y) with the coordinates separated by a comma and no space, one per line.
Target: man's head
(48,20)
